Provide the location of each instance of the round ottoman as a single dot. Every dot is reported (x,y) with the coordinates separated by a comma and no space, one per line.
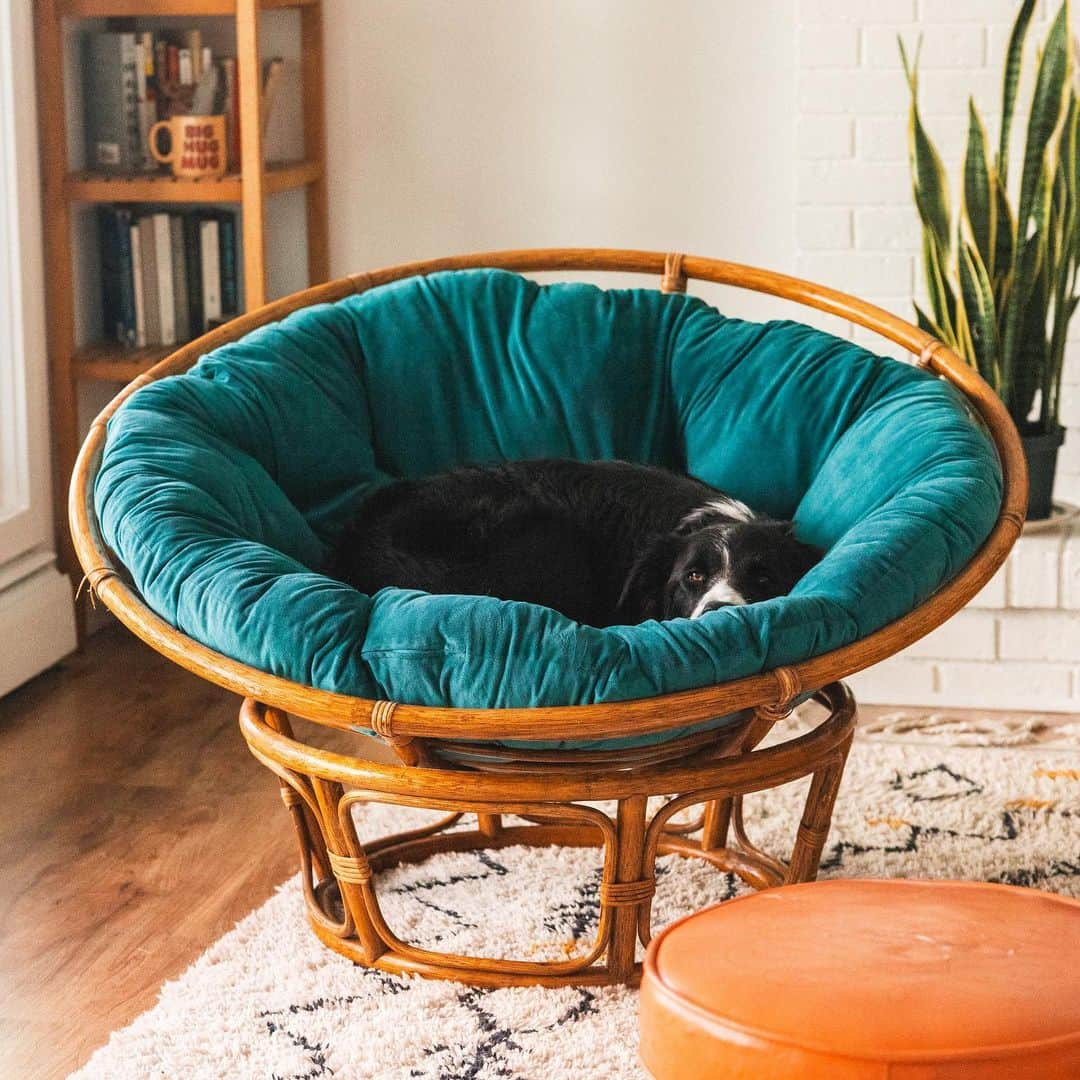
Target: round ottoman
(854,979)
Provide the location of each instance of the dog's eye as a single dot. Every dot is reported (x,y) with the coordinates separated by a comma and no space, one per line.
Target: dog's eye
(695,577)
(760,573)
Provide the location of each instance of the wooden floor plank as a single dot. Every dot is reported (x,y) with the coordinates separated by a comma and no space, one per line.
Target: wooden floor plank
(136,829)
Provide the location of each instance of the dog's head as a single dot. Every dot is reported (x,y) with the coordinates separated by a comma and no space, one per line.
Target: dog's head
(699,568)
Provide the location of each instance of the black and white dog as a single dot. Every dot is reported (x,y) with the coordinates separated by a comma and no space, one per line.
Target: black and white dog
(604,542)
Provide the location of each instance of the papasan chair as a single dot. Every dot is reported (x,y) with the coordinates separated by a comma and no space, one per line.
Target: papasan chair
(208,493)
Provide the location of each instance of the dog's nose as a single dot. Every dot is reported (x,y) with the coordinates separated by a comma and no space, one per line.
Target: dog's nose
(715,605)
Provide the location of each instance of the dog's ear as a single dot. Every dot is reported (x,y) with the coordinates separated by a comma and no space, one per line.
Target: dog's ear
(799,558)
(642,595)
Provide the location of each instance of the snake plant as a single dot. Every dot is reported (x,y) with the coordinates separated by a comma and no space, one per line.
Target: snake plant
(1001,276)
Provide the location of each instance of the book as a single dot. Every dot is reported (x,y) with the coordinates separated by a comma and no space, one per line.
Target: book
(110,73)
(193,40)
(165,291)
(118,300)
(230,290)
(181,297)
(186,67)
(193,266)
(148,270)
(210,260)
(137,285)
(231,109)
(147,103)
(126,275)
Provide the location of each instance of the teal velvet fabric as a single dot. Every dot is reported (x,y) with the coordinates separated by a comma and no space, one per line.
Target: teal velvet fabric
(220,490)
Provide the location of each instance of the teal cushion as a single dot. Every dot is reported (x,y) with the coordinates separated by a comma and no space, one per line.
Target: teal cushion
(221,489)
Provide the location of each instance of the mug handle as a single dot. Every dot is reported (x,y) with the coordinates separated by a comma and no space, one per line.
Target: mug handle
(152,141)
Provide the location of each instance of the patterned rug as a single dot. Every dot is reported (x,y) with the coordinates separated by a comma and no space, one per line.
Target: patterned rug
(269,1001)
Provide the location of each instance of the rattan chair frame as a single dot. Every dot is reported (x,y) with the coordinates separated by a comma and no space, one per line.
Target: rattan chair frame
(522,797)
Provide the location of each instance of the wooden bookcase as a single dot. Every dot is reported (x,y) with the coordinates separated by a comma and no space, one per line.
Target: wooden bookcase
(71,360)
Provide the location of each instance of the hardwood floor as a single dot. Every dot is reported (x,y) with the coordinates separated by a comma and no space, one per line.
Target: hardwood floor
(136,829)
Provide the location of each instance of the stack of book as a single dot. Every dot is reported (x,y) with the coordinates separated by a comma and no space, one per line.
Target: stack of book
(133,80)
(167,277)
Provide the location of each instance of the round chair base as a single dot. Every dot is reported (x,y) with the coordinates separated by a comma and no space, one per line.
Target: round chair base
(547,804)
(856,980)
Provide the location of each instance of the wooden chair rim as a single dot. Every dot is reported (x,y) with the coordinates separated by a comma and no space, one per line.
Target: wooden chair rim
(635,717)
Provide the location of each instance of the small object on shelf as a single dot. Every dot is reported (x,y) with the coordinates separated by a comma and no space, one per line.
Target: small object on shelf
(271,84)
(197,146)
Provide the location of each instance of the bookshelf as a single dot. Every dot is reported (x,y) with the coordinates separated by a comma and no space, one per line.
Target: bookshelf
(72,361)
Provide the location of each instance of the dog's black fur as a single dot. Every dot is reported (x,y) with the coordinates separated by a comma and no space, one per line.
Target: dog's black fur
(604,542)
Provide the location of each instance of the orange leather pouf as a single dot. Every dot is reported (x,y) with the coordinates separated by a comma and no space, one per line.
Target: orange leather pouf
(906,980)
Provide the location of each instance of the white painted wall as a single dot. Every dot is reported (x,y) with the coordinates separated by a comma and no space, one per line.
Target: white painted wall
(37,625)
(480,125)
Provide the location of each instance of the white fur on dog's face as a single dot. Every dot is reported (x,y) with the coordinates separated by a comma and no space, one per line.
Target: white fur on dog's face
(734,563)
(720,594)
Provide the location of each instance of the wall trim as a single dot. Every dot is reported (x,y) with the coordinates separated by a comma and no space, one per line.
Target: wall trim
(37,625)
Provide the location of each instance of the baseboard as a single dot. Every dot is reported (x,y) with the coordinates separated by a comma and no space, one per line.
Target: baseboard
(37,625)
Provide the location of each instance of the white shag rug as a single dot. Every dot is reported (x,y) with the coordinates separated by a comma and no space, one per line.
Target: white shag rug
(269,1001)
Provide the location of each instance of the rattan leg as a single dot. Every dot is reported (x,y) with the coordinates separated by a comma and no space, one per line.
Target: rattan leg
(489,824)
(816,820)
(714,829)
(349,866)
(630,830)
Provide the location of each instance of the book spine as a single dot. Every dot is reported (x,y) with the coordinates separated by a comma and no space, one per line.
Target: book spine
(232,113)
(126,275)
(166,291)
(179,276)
(195,48)
(129,58)
(137,281)
(187,67)
(211,271)
(108,224)
(230,293)
(161,75)
(148,262)
(193,263)
(147,106)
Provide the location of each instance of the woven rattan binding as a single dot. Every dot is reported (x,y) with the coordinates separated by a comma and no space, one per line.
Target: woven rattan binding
(350,870)
(620,893)
(674,279)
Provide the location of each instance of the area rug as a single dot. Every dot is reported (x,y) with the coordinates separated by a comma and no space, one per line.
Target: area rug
(269,1001)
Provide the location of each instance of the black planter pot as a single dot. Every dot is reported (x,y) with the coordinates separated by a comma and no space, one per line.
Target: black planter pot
(1041,451)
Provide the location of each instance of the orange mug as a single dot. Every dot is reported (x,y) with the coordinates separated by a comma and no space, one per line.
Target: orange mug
(196,146)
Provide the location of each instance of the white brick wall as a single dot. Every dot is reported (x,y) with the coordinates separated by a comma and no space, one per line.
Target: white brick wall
(1018,645)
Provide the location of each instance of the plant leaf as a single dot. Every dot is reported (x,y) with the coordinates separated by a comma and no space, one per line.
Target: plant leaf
(1047,106)
(942,299)
(1014,58)
(980,202)
(926,323)
(1033,351)
(927,172)
(1047,109)
(978,301)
